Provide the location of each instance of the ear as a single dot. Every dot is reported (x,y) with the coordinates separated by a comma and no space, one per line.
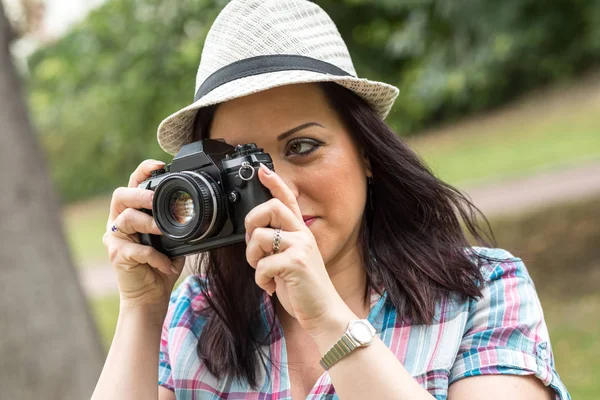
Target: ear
(367,164)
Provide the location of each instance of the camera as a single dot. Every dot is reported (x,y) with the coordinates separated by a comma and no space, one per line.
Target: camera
(202,197)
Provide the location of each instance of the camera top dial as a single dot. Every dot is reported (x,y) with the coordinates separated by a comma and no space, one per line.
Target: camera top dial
(243,150)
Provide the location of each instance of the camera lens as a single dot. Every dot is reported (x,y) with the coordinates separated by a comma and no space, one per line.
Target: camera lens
(181,206)
(188,206)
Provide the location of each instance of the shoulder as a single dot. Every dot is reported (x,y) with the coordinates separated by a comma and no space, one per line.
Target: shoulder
(188,304)
(505,331)
(497,264)
(508,313)
(507,287)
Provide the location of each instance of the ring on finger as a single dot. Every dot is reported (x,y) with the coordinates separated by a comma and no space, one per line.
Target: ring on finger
(276,240)
(116,231)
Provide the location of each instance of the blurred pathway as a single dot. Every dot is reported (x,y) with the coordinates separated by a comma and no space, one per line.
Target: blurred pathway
(494,199)
(542,189)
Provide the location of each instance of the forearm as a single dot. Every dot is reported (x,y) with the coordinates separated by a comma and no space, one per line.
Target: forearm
(371,372)
(131,367)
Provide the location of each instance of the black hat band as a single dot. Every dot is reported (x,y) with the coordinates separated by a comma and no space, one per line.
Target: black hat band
(264,64)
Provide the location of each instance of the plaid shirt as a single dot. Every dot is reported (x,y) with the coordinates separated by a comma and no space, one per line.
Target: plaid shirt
(503,332)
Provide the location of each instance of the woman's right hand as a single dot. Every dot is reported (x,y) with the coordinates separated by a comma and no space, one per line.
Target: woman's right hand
(145,276)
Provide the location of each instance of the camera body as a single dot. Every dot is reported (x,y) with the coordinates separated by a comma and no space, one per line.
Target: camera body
(202,198)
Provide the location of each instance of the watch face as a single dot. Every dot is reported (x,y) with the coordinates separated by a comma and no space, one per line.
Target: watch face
(361,332)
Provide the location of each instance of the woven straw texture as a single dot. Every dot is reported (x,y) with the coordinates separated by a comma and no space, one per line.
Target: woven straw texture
(250,28)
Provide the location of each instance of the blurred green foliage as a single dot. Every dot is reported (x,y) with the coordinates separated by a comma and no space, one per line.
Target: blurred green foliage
(98,94)
(458,56)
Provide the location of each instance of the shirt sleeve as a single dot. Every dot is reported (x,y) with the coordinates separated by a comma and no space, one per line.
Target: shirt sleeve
(505,331)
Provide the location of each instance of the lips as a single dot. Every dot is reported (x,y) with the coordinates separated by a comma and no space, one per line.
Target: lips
(309,219)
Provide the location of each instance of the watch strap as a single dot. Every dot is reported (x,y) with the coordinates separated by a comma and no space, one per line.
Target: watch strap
(339,350)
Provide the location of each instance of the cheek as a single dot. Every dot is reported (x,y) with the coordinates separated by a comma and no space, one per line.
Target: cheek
(337,186)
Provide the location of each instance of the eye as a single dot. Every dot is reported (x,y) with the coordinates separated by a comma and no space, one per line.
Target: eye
(302,147)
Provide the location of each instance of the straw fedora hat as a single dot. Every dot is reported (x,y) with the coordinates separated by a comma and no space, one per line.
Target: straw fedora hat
(255,45)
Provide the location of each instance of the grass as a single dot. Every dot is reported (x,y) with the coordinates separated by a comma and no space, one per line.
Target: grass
(105,311)
(503,156)
(549,129)
(559,247)
(85,224)
(545,130)
(574,333)
(573,327)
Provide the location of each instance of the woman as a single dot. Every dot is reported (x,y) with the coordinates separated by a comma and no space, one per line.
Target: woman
(355,281)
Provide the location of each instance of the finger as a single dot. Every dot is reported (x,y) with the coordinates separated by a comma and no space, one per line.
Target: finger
(268,268)
(144,171)
(132,221)
(124,198)
(178,263)
(261,244)
(279,189)
(126,254)
(116,232)
(272,213)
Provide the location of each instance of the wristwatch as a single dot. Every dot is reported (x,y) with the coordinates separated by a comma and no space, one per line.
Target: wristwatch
(360,333)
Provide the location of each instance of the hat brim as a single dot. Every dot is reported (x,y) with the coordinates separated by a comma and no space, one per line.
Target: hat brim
(176,130)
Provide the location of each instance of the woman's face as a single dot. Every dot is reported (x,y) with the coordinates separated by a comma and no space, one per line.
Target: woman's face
(312,152)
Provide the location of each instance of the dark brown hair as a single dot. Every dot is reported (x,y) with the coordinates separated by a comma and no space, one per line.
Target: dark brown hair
(411,240)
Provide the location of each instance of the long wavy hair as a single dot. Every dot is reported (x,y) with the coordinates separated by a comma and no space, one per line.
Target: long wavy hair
(411,240)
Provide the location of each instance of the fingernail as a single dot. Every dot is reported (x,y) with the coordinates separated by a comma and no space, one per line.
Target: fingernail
(174,270)
(266,169)
(247,237)
(156,162)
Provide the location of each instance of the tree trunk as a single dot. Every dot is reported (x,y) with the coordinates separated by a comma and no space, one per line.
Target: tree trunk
(49,345)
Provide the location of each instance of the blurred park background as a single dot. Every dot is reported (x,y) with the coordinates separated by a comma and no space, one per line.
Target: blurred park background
(501,98)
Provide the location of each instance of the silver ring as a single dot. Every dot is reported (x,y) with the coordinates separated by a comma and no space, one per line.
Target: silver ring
(276,240)
(246,165)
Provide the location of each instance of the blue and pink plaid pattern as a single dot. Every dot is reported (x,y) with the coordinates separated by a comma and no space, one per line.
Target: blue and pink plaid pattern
(503,332)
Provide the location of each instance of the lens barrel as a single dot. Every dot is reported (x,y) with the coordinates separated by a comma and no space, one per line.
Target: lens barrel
(188,206)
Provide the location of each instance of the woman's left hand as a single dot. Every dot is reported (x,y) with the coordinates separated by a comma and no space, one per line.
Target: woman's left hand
(297,273)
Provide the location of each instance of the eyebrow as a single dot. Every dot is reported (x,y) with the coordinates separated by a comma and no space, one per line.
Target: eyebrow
(298,128)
